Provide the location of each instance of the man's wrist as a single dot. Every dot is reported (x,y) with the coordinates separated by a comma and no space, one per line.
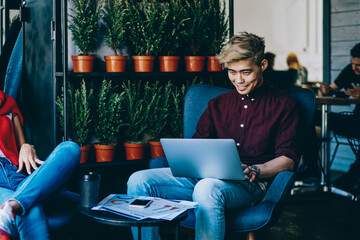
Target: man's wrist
(255,169)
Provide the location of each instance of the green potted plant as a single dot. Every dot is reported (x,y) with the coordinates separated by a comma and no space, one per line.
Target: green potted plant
(115,18)
(85,28)
(171,37)
(160,98)
(217,32)
(175,123)
(196,29)
(145,23)
(109,109)
(137,110)
(79,116)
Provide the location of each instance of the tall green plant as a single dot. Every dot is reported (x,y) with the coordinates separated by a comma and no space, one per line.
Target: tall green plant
(79,113)
(171,37)
(137,111)
(85,25)
(146,23)
(115,18)
(160,100)
(109,111)
(176,121)
(218,28)
(196,28)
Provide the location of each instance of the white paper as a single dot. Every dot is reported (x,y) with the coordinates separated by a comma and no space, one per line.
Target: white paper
(158,209)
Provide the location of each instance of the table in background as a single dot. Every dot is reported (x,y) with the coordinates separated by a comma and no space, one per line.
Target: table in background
(109,218)
(325,102)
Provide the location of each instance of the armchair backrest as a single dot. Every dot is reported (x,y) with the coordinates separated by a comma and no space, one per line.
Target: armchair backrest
(195,103)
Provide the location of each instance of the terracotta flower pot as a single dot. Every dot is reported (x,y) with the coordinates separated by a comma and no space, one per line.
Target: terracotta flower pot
(104,153)
(143,63)
(213,64)
(115,63)
(83,63)
(194,63)
(156,150)
(169,63)
(134,151)
(84,153)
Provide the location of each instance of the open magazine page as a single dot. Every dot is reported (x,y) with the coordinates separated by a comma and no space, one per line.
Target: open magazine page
(158,209)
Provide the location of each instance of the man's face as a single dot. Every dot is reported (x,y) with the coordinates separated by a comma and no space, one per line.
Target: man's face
(355,63)
(246,75)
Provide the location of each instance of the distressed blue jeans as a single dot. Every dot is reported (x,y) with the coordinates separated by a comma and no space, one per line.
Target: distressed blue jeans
(214,197)
(31,192)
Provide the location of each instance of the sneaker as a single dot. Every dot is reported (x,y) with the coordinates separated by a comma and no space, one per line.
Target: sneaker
(7,218)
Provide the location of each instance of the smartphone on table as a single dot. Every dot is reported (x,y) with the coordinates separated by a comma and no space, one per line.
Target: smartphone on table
(140,203)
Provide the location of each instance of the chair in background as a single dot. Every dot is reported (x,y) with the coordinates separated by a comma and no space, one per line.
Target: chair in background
(262,214)
(337,138)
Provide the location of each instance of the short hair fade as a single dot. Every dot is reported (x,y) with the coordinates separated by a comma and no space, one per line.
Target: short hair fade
(355,51)
(243,46)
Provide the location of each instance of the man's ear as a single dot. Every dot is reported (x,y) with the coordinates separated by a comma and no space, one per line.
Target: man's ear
(264,64)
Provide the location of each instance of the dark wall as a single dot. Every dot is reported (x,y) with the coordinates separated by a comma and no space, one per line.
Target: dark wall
(38,103)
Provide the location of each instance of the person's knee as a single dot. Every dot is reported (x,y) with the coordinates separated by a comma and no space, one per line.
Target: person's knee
(70,150)
(207,192)
(138,183)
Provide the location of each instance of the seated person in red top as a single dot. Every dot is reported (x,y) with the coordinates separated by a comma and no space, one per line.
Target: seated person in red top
(263,121)
(27,183)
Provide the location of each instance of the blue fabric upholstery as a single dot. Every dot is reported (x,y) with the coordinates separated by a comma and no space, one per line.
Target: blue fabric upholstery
(14,69)
(258,216)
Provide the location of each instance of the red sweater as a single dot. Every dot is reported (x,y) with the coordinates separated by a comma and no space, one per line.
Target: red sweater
(7,132)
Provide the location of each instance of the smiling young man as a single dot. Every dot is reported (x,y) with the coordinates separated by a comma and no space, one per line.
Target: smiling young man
(263,122)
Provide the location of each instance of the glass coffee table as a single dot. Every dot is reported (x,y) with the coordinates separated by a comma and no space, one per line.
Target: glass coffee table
(108,218)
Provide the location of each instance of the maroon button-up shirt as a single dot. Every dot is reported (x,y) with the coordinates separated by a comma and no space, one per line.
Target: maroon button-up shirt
(264,124)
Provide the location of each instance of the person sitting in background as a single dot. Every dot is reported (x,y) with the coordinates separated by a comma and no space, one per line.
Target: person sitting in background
(24,186)
(270,57)
(301,71)
(346,125)
(278,79)
(263,121)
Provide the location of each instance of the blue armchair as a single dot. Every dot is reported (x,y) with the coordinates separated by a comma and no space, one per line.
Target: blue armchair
(260,215)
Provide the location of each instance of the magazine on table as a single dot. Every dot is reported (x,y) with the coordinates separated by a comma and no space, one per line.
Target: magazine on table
(158,208)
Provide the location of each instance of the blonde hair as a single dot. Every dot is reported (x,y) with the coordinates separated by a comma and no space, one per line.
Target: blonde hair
(243,46)
(293,61)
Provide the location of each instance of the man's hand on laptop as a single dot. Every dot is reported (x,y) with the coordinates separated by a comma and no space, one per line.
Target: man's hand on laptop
(249,172)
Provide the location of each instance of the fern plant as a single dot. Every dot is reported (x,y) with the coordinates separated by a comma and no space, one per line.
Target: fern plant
(176,122)
(218,28)
(85,25)
(79,113)
(146,23)
(196,28)
(109,111)
(159,99)
(115,18)
(137,111)
(171,37)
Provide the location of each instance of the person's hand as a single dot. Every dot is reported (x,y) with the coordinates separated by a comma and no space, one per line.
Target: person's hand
(250,175)
(354,92)
(28,157)
(325,89)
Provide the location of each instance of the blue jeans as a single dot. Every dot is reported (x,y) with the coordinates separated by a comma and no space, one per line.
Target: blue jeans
(214,197)
(32,191)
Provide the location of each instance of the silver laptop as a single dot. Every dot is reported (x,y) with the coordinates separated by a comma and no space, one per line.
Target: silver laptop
(203,158)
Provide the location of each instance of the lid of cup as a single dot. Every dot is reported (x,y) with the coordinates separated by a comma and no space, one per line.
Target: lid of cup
(91,176)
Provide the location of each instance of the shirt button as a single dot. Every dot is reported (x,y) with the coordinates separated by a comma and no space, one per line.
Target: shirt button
(238,144)
(252,99)
(246,106)
(241,125)
(242,99)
